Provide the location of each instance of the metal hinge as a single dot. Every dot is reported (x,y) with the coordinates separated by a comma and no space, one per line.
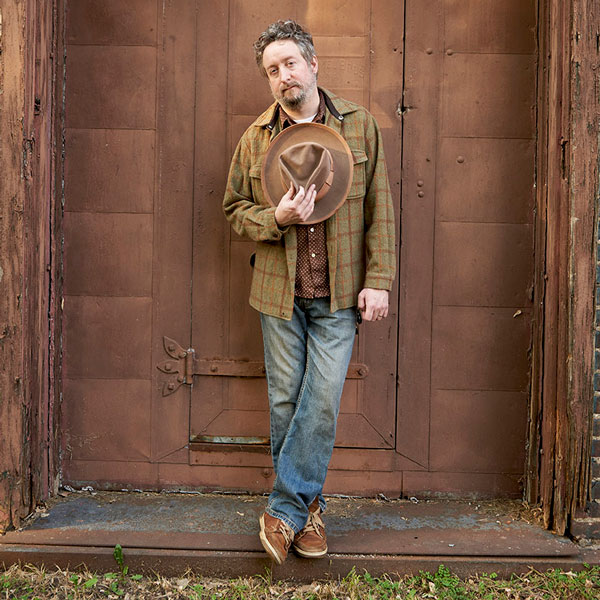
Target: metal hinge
(183,365)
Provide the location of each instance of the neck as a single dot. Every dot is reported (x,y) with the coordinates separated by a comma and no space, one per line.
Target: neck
(308,108)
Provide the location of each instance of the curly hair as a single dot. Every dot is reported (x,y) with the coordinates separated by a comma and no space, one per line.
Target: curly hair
(284,30)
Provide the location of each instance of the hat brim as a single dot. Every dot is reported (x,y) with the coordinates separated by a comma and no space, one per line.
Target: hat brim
(343,165)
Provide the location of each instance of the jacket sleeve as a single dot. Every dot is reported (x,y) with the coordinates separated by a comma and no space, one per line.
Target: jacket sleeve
(248,217)
(379,214)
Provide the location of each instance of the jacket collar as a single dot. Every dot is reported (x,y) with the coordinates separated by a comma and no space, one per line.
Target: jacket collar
(337,106)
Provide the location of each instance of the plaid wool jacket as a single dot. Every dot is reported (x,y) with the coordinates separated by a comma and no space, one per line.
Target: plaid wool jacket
(360,235)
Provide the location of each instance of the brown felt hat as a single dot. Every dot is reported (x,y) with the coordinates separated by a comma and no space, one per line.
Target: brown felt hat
(304,154)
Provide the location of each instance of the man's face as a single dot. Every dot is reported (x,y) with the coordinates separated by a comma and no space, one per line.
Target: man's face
(291,78)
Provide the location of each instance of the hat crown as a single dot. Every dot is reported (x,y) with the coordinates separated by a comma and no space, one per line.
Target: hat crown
(305,164)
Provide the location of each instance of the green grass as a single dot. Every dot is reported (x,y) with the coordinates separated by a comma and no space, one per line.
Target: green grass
(30,583)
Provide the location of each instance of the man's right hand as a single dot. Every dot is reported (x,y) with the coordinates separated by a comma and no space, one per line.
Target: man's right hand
(295,209)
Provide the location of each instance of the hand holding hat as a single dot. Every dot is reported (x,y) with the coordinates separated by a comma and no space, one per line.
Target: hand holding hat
(295,206)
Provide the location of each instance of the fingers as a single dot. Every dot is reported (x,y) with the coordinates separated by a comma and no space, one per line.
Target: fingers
(289,194)
(295,207)
(302,205)
(361,301)
(305,201)
(373,304)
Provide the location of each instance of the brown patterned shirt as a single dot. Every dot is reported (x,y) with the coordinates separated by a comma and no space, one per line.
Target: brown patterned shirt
(312,276)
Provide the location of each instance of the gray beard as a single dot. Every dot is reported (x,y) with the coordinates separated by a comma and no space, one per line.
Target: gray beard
(296,101)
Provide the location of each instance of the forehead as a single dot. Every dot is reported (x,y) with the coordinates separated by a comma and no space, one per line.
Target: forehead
(280,50)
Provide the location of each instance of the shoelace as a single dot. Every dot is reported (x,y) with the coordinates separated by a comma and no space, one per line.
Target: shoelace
(314,522)
(287,532)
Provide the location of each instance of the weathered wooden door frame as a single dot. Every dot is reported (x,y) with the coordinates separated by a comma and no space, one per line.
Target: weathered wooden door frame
(560,426)
(31,120)
(559,444)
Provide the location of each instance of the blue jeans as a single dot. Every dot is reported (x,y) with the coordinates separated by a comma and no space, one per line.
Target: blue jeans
(306,360)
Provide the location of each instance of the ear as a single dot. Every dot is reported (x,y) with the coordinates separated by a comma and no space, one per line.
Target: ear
(314,63)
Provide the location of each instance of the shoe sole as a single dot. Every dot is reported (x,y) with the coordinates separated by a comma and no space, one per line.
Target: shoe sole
(313,554)
(266,545)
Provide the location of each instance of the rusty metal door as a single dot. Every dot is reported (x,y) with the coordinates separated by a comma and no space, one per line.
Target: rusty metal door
(229,420)
(158,95)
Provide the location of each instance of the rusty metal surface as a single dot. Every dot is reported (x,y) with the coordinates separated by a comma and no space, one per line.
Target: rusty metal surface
(229,523)
(173,211)
(468,214)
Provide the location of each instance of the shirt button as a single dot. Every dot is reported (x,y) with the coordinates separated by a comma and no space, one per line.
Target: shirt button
(312,229)
(313,254)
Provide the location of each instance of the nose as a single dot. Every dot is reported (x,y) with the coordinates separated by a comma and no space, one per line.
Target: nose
(285,74)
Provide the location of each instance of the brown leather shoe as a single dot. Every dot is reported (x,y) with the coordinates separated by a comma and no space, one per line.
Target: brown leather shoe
(311,541)
(276,537)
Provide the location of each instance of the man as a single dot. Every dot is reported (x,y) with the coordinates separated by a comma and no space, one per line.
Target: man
(308,280)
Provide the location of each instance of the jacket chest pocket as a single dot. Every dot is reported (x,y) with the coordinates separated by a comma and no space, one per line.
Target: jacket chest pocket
(256,184)
(358,187)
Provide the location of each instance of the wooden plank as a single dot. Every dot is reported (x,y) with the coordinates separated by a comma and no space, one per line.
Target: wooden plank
(27,108)
(55,313)
(13,414)
(552,381)
(38,167)
(584,185)
(568,156)
(533,456)
(563,225)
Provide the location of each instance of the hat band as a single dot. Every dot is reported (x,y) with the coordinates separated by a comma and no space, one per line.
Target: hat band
(326,185)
